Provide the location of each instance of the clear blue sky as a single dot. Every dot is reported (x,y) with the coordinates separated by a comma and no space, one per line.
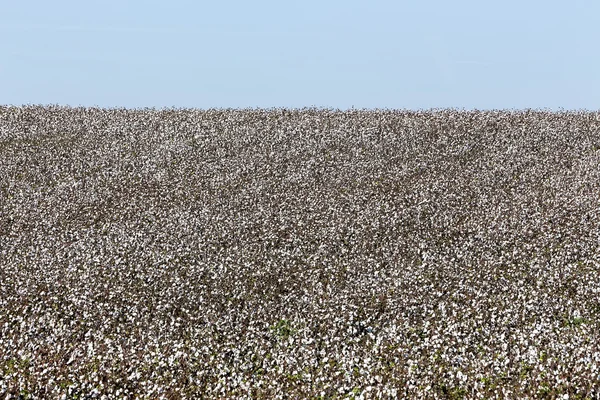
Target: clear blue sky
(366,54)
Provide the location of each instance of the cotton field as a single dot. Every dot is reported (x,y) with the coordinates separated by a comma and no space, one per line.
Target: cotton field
(310,253)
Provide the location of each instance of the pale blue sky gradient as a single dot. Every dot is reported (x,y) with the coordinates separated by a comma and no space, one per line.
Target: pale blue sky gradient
(339,54)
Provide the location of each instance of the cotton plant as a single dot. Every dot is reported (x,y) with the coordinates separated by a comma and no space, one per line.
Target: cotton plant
(306,253)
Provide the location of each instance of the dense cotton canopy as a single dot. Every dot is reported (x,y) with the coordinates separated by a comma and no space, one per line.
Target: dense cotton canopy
(297,253)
